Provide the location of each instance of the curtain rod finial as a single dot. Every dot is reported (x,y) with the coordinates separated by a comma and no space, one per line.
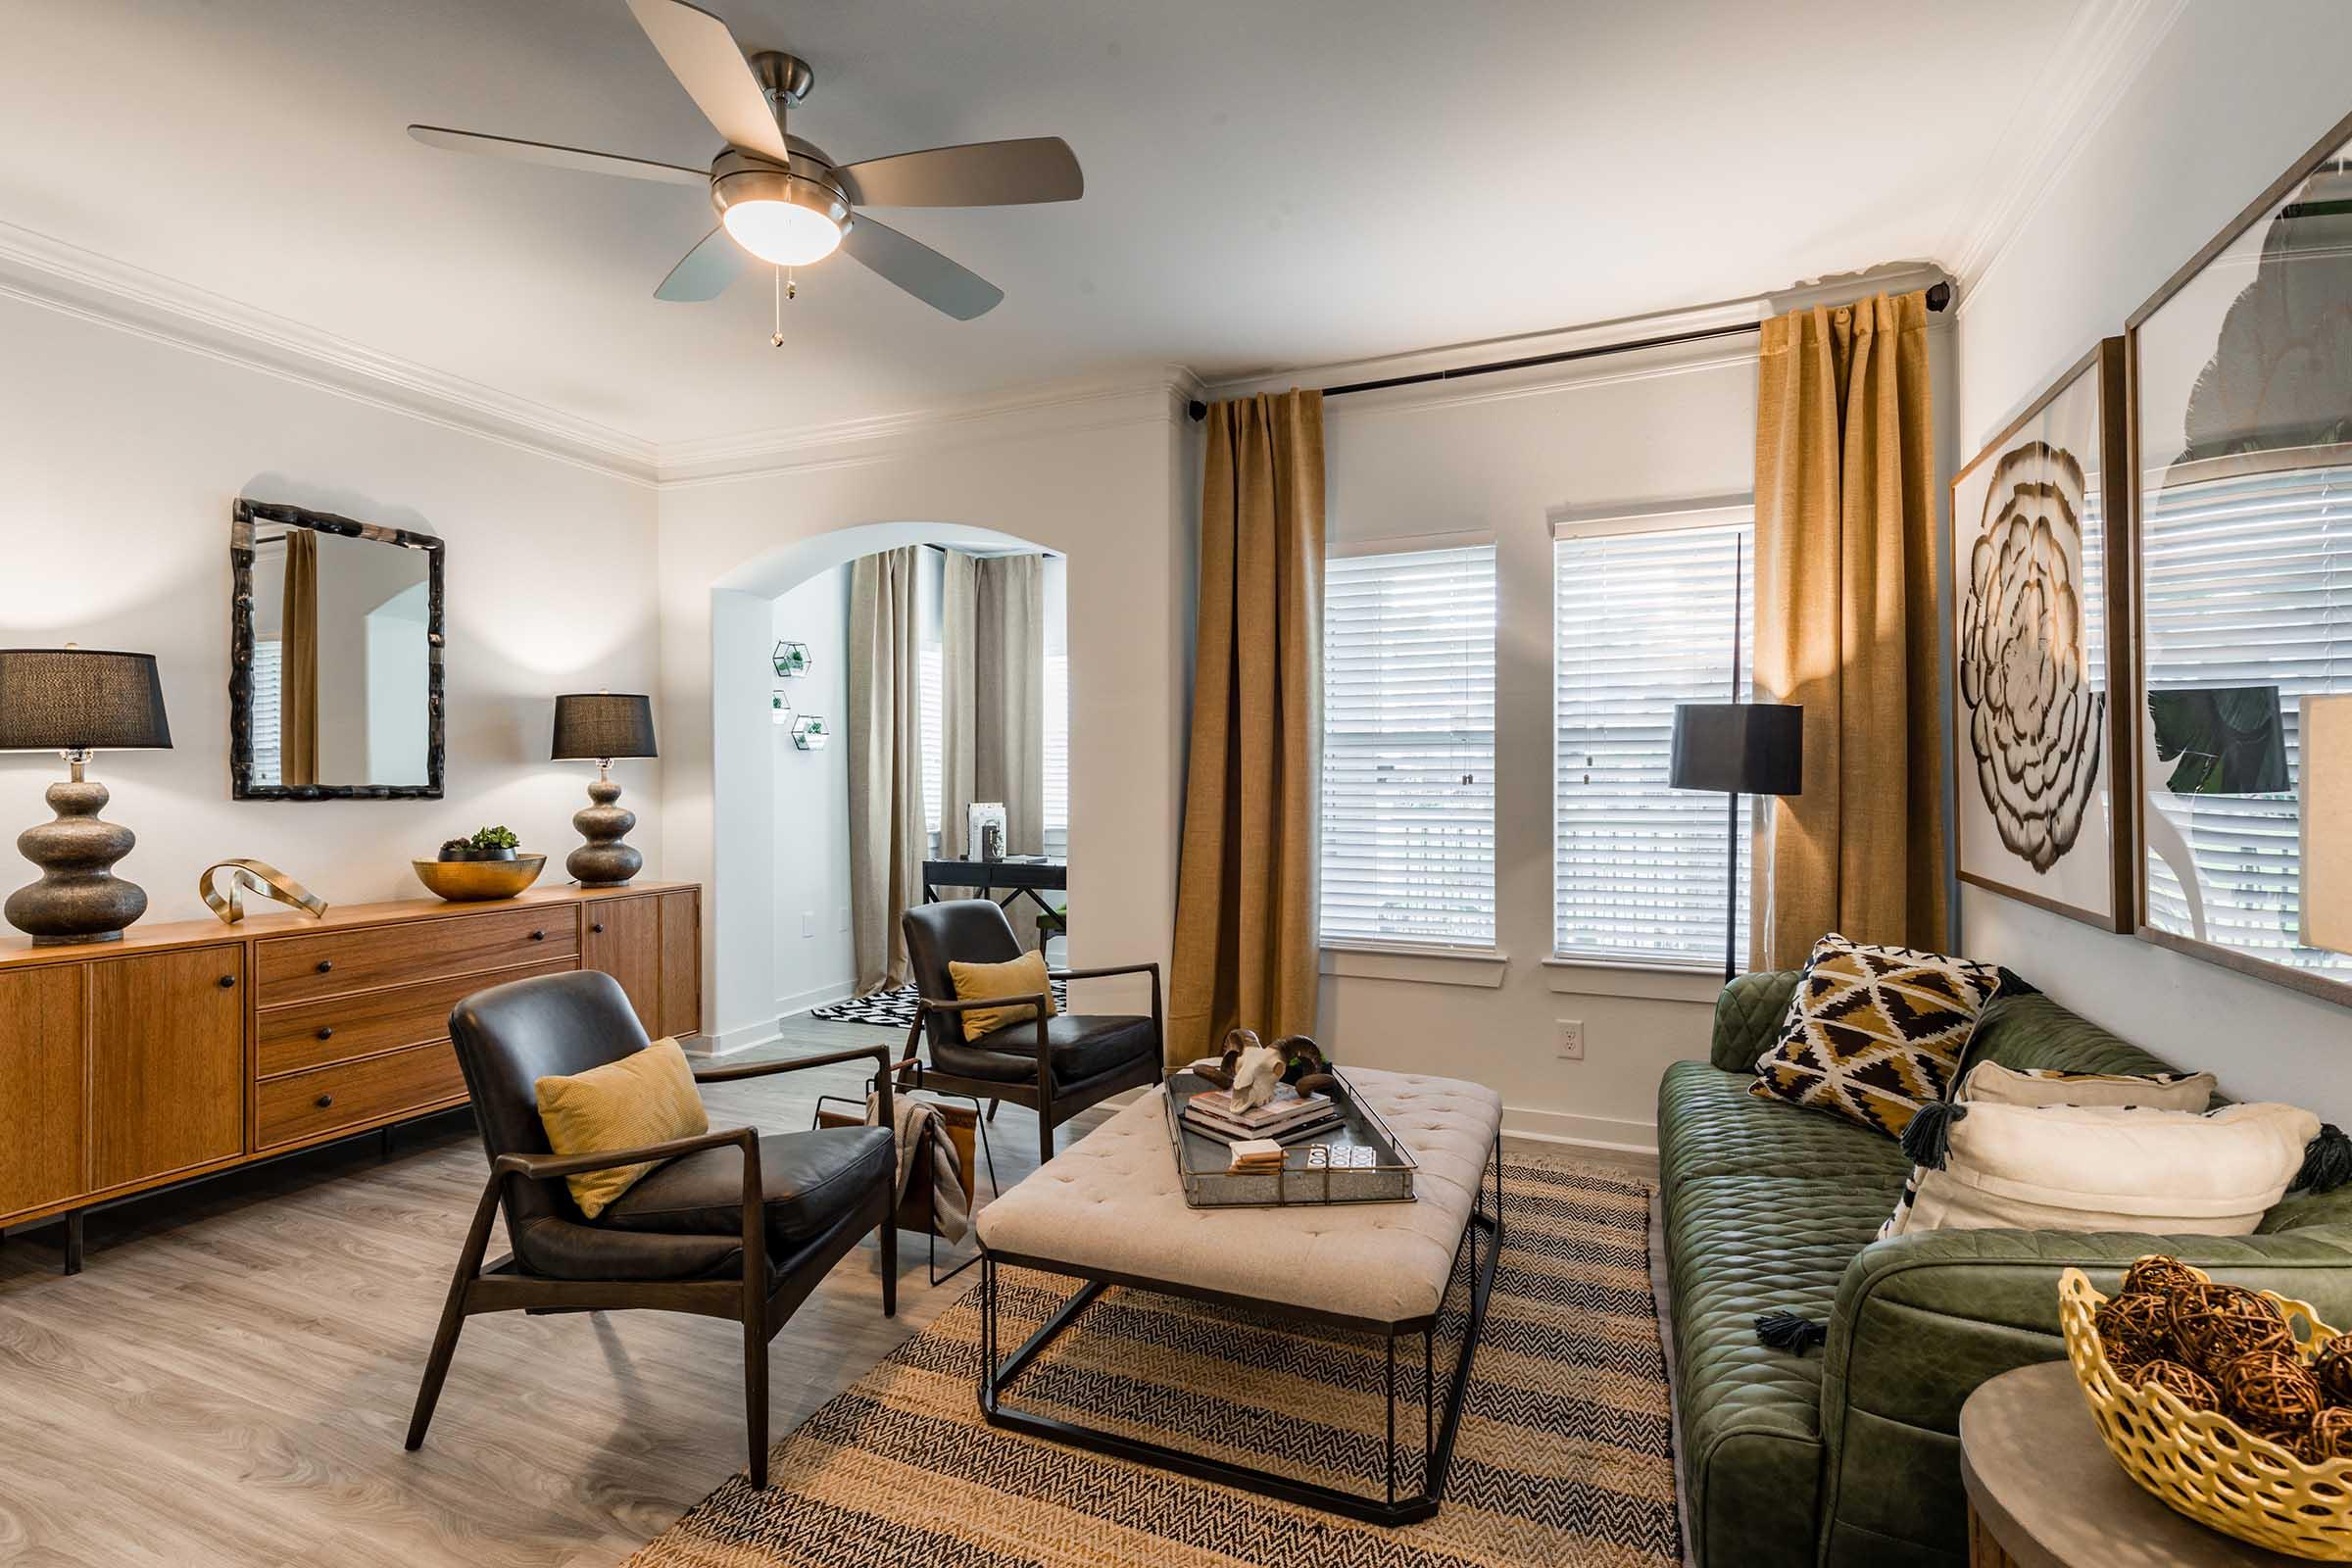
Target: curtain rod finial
(1197,410)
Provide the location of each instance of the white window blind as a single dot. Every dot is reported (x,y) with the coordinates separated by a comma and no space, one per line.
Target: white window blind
(1642,620)
(2247,581)
(1408,748)
(268,663)
(928,694)
(1058,753)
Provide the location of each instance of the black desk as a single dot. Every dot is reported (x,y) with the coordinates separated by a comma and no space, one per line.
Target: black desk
(1016,877)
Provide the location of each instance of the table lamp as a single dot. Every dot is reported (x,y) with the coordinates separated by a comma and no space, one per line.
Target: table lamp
(1740,749)
(599,726)
(77,701)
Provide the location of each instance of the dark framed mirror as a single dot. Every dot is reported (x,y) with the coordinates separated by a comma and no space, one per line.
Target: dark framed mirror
(335,644)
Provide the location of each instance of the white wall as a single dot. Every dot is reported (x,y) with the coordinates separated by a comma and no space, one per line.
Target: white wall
(1499,458)
(1093,482)
(2221,110)
(120,460)
(815,960)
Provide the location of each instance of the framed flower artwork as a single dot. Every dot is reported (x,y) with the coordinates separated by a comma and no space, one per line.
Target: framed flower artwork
(2040,750)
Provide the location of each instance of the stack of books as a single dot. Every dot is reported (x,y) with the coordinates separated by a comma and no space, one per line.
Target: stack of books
(1286,1118)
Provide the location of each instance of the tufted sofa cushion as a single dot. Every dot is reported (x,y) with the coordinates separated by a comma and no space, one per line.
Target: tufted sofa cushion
(1113,1204)
(1710,1125)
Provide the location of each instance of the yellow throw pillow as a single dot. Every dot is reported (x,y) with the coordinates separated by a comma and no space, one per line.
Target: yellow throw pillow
(647,1098)
(1024,976)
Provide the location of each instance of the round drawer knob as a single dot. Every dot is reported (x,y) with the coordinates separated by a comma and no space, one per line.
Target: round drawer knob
(326,965)
(323,1101)
(228,982)
(597,929)
(328,1033)
(538,936)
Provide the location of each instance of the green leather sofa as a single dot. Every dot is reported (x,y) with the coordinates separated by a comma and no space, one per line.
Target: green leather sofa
(1846,1456)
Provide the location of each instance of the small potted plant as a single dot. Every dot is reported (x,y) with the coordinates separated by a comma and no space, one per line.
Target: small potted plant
(487,843)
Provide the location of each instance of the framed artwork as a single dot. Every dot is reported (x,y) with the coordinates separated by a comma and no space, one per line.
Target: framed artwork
(2239,392)
(2042,795)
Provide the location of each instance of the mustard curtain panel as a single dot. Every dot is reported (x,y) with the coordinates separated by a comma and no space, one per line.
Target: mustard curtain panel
(298,662)
(1845,624)
(1244,949)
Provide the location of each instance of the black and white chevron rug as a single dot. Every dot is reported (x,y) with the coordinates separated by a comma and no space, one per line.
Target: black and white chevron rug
(895,1009)
(1564,1453)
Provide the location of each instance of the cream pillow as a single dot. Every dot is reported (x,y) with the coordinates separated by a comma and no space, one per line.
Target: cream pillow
(1024,976)
(2110,1168)
(646,1098)
(1991,1083)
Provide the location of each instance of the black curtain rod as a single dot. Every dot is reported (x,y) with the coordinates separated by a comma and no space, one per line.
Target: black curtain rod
(1939,295)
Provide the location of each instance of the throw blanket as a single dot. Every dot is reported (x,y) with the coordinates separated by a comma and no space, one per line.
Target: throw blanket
(912,1120)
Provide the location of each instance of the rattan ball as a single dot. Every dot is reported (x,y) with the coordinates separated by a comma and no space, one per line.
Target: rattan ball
(2271,1391)
(2329,1436)
(2214,1324)
(2135,1329)
(2158,1275)
(2186,1384)
(2334,1369)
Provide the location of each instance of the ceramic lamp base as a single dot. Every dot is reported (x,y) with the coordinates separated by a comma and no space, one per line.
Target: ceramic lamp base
(603,861)
(79,897)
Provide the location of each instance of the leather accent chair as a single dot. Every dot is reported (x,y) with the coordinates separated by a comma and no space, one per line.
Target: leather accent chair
(1055,1066)
(733,1224)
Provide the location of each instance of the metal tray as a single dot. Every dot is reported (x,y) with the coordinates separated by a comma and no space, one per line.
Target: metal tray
(1202,1160)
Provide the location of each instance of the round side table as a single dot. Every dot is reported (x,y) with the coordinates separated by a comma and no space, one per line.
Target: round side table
(2044,1492)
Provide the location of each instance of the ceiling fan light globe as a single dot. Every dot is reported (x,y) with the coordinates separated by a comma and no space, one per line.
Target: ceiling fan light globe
(782,233)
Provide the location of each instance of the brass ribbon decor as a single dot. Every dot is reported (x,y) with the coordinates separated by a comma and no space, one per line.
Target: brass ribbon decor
(262,878)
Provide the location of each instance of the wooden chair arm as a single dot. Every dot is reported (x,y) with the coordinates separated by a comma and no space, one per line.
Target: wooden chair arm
(760,1069)
(546,1167)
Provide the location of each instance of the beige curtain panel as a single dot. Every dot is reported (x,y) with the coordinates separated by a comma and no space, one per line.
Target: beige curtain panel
(298,662)
(1845,624)
(1245,948)
(887,832)
(993,688)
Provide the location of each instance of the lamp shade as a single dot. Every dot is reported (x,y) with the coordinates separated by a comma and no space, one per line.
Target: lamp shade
(1739,748)
(597,725)
(81,700)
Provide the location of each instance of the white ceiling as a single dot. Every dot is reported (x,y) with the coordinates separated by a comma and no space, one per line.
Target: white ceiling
(1269,182)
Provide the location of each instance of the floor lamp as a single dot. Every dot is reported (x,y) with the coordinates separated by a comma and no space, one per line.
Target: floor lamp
(1738,749)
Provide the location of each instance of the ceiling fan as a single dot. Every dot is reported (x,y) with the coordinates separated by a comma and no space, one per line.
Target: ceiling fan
(782,201)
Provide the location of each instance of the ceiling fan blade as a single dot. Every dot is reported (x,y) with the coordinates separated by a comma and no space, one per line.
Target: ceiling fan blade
(548,153)
(920,270)
(706,270)
(708,64)
(981,174)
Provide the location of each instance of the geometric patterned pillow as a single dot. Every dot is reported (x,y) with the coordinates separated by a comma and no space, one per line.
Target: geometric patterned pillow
(1874,1033)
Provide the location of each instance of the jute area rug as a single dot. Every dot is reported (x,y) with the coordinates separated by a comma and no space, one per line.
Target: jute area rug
(1563,1457)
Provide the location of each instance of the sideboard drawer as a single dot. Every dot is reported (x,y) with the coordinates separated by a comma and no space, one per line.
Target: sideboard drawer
(309,1104)
(316,1034)
(301,968)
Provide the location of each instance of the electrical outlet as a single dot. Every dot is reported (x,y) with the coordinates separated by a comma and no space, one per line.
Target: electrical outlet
(1572,1039)
(809,924)
(840,920)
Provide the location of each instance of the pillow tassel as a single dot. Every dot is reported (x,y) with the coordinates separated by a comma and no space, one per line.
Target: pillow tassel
(2326,1161)
(1928,1138)
(1792,1332)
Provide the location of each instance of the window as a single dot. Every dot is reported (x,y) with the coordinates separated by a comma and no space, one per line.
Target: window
(268,660)
(1641,618)
(2247,584)
(1058,753)
(1408,748)
(928,694)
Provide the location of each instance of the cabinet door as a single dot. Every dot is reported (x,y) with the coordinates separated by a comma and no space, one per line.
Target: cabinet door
(42,1143)
(681,964)
(167,1062)
(623,938)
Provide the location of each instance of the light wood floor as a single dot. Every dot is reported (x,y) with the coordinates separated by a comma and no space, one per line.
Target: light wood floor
(230,1380)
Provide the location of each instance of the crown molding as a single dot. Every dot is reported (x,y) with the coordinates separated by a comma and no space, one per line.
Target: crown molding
(62,277)
(2103,51)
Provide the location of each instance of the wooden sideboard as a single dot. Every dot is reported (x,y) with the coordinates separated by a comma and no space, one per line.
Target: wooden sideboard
(189,1049)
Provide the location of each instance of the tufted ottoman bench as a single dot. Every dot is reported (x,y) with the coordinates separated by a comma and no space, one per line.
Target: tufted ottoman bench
(1110,1211)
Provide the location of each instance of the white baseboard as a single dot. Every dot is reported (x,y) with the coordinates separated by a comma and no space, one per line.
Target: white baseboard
(823,996)
(744,1037)
(1581,1132)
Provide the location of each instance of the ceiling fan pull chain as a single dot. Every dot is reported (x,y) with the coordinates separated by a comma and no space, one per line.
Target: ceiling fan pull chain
(777,341)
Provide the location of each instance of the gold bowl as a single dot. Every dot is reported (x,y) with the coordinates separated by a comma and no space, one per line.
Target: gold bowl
(471,881)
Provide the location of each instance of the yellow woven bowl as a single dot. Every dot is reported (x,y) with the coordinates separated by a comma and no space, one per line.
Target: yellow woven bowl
(2201,1462)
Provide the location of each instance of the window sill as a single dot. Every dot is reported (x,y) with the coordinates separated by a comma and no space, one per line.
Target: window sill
(1648,982)
(1444,966)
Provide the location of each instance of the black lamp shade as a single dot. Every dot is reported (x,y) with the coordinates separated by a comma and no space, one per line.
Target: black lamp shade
(596,725)
(1739,748)
(81,700)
